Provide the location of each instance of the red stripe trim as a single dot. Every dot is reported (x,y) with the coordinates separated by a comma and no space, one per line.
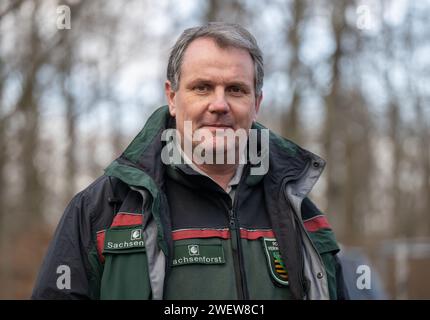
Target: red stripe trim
(196,233)
(101,244)
(256,234)
(314,224)
(127,219)
(220,233)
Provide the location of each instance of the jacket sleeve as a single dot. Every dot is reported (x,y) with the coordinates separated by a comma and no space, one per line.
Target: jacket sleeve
(341,288)
(65,271)
(324,240)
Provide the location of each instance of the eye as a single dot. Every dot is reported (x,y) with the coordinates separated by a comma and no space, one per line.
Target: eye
(236,90)
(201,88)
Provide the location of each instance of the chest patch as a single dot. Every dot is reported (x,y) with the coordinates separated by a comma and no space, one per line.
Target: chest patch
(124,240)
(197,253)
(276,265)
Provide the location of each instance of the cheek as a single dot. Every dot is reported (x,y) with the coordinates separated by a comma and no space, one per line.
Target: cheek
(246,117)
(187,114)
(192,111)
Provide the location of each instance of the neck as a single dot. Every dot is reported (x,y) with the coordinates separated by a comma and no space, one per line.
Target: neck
(221,174)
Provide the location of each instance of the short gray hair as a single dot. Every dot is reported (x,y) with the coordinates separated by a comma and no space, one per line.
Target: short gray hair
(225,35)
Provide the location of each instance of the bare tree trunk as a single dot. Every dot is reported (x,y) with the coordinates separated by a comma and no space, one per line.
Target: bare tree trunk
(71,149)
(212,12)
(4,263)
(32,195)
(13,6)
(424,159)
(116,134)
(26,210)
(396,137)
(291,127)
(331,133)
(222,10)
(425,138)
(2,146)
(397,154)
(115,111)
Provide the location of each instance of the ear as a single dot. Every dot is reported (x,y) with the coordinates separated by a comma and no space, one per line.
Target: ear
(257,105)
(170,95)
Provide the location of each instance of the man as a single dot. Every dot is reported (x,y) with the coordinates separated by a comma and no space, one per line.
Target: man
(199,225)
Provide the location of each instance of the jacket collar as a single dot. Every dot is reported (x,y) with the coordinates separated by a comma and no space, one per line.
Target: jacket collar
(286,160)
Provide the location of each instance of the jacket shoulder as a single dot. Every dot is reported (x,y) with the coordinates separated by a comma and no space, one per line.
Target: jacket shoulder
(318,227)
(100,200)
(88,212)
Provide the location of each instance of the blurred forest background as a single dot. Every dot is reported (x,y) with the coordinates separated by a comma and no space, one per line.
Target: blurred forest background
(348,80)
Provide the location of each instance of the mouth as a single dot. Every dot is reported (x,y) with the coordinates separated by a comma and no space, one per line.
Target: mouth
(215,126)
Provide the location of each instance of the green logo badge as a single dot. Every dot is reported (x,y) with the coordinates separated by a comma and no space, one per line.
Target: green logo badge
(277,267)
(136,234)
(198,254)
(193,250)
(124,240)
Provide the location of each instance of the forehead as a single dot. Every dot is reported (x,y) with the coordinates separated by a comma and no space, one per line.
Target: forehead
(204,57)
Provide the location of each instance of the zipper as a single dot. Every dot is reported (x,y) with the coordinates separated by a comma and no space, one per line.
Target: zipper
(238,256)
(238,260)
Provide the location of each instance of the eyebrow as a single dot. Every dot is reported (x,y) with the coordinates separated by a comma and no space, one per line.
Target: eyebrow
(232,83)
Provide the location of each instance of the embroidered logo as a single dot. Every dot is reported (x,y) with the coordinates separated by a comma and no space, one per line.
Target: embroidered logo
(277,267)
(124,240)
(136,234)
(198,254)
(193,250)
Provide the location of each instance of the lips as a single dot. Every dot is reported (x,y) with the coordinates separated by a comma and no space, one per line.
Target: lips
(217,126)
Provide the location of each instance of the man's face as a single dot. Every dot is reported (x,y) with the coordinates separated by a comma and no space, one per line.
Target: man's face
(216,90)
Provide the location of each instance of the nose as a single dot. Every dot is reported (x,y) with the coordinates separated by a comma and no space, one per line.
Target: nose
(219,103)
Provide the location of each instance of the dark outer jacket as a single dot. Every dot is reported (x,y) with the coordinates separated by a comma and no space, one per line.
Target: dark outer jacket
(134,183)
